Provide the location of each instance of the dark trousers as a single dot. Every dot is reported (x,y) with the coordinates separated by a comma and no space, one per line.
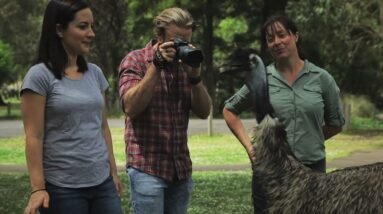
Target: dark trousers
(98,199)
(258,193)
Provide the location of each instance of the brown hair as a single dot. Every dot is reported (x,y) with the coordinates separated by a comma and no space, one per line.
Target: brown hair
(289,26)
(170,16)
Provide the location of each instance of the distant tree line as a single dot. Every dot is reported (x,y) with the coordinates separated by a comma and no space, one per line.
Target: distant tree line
(343,36)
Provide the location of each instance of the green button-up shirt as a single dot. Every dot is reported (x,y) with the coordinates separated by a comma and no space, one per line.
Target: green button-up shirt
(312,101)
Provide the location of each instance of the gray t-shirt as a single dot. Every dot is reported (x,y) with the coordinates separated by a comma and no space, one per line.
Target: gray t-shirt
(75,153)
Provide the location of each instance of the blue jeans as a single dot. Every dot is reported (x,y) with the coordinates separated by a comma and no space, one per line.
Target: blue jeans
(99,199)
(153,195)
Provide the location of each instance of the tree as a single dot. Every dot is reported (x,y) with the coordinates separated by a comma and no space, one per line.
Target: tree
(110,41)
(7,70)
(348,42)
(20,24)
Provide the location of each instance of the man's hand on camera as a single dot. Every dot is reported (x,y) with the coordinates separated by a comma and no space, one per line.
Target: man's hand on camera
(167,50)
(192,72)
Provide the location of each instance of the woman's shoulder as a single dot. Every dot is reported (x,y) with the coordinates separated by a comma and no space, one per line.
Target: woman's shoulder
(95,72)
(319,70)
(93,67)
(321,74)
(314,68)
(40,70)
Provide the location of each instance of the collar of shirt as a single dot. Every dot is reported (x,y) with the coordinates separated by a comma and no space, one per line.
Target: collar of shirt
(308,67)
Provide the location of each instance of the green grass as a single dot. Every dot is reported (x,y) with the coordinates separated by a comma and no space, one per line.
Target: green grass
(217,150)
(12,150)
(343,145)
(208,195)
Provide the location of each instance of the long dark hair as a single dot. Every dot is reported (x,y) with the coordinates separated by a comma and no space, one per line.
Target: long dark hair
(290,27)
(51,51)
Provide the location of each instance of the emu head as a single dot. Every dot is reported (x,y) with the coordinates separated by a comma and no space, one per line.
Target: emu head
(247,61)
(271,140)
(238,62)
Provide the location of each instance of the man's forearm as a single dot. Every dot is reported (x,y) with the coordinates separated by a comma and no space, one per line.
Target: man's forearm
(200,101)
(137,98)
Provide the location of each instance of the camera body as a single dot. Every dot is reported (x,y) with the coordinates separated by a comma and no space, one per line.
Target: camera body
(190,56)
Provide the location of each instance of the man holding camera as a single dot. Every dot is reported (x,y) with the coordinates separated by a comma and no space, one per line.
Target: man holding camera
(158,87)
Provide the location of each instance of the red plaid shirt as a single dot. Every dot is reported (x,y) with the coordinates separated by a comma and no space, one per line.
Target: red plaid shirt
(156,140)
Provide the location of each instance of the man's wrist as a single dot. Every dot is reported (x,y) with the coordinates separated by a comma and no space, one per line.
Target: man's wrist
(158,60)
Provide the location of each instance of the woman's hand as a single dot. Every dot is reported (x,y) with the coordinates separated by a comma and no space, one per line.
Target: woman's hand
(38,199)
(118,184)
(251,154)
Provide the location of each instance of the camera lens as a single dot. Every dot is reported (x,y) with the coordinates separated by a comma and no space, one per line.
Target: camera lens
(190,56)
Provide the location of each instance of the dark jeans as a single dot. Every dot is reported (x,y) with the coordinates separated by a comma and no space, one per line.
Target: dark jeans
(98,199)
(258,194)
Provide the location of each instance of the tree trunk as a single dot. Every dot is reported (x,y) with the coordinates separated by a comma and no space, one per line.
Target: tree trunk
(209,71)
(381,17)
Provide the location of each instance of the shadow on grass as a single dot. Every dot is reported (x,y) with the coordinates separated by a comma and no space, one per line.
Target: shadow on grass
(213,192)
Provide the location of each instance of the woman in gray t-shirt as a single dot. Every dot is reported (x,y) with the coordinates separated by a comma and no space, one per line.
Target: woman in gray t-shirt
(68,143)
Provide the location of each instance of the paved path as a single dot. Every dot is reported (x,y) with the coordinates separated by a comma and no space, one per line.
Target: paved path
(13,128)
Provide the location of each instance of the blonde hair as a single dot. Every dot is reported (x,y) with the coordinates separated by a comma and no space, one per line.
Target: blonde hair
(173,15)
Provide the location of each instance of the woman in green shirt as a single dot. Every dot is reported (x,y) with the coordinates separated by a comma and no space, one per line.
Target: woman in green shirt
(305,97)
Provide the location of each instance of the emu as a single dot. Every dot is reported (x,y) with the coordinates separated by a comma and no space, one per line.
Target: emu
(291,187)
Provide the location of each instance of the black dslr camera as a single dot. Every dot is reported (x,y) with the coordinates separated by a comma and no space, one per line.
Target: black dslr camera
(187,54)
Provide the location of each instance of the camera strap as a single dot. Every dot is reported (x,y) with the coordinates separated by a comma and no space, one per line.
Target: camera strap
(158,60)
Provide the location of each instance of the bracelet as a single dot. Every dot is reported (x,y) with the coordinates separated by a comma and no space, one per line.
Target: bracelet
(37,190)
(195,80)
(158,60)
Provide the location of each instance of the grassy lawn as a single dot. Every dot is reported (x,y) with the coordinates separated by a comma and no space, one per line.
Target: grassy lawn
(226,192)
(213,192)
(217,150)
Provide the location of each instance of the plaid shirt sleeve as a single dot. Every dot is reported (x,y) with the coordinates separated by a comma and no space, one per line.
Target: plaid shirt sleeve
(130,73)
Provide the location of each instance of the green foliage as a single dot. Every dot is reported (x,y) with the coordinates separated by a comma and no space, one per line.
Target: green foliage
(361,106)
(345,37)
(7,71)
(362,123)
(20,24)
(229,27)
